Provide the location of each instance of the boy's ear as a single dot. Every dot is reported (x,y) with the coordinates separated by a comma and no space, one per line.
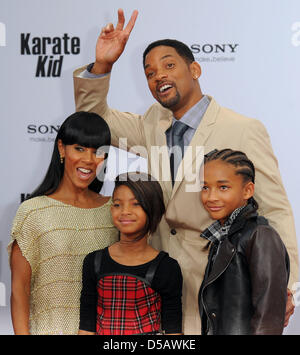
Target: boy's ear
(248,190)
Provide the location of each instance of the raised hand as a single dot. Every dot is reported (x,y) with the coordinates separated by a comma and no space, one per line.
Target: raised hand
(111,43)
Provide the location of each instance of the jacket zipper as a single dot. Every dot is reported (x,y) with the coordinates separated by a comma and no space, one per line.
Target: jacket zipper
(205,309)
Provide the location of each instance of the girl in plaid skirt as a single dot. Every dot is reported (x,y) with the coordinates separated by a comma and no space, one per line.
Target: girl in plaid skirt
(131,288)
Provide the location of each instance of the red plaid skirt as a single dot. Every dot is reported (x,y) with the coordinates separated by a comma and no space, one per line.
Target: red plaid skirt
(126,306)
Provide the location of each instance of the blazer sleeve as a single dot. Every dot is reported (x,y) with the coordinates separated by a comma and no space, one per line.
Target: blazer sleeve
(269,272)
(269,191)
(91,95)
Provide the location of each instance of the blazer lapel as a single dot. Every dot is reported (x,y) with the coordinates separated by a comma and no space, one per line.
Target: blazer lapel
(160,166)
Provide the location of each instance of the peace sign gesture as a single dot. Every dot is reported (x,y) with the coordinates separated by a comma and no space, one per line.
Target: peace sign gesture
(111,43)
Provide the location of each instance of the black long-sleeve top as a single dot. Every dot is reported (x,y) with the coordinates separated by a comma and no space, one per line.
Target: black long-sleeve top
(167,282)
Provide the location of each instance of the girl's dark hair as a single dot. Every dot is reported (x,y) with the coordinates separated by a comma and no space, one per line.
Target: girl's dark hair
(240,161)
(181,48)
(83,128)
(148,193)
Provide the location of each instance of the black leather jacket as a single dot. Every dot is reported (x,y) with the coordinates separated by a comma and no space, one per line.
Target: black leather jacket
(244,291)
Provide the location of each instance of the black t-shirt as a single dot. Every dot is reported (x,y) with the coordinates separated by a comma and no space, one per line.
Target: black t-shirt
(167,282)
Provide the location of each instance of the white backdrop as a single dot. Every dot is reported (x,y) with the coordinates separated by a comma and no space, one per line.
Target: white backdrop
(249,51)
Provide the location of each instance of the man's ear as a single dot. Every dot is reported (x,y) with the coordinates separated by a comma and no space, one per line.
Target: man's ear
(195,70)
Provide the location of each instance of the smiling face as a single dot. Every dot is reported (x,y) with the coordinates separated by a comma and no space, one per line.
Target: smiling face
(127,214)
(80,164)
(171,80)
(223,190)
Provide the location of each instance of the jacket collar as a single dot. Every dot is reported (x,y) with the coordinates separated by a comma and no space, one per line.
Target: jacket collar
(217,231)
(227,251)
(247,213)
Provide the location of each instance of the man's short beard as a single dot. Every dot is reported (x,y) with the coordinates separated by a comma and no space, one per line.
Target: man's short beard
(171,102)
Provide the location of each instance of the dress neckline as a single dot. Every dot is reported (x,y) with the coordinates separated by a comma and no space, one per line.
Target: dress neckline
(81,208)
(130,266)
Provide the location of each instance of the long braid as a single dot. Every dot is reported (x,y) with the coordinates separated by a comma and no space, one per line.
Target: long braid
(240,161)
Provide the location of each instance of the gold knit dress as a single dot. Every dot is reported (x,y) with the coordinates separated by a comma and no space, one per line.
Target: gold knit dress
(54,237)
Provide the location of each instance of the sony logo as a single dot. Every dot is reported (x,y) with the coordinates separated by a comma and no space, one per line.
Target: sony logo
(42,129)
(214,48)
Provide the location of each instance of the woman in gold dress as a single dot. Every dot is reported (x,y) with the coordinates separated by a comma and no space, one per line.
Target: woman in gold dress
(64,219)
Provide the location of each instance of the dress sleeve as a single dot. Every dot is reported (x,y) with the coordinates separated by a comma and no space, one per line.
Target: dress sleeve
(25,231)
(88,298)
(170,290)
(269,272)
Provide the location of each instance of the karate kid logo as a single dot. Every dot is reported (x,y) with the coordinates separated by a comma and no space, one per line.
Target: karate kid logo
(50,52)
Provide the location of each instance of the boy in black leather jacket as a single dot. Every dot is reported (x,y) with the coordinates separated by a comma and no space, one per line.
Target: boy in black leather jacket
(245,284)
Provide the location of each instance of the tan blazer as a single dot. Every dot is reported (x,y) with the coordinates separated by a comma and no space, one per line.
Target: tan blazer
(185,217)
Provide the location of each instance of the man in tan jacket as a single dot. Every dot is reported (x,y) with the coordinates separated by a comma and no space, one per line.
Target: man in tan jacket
(172,76)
